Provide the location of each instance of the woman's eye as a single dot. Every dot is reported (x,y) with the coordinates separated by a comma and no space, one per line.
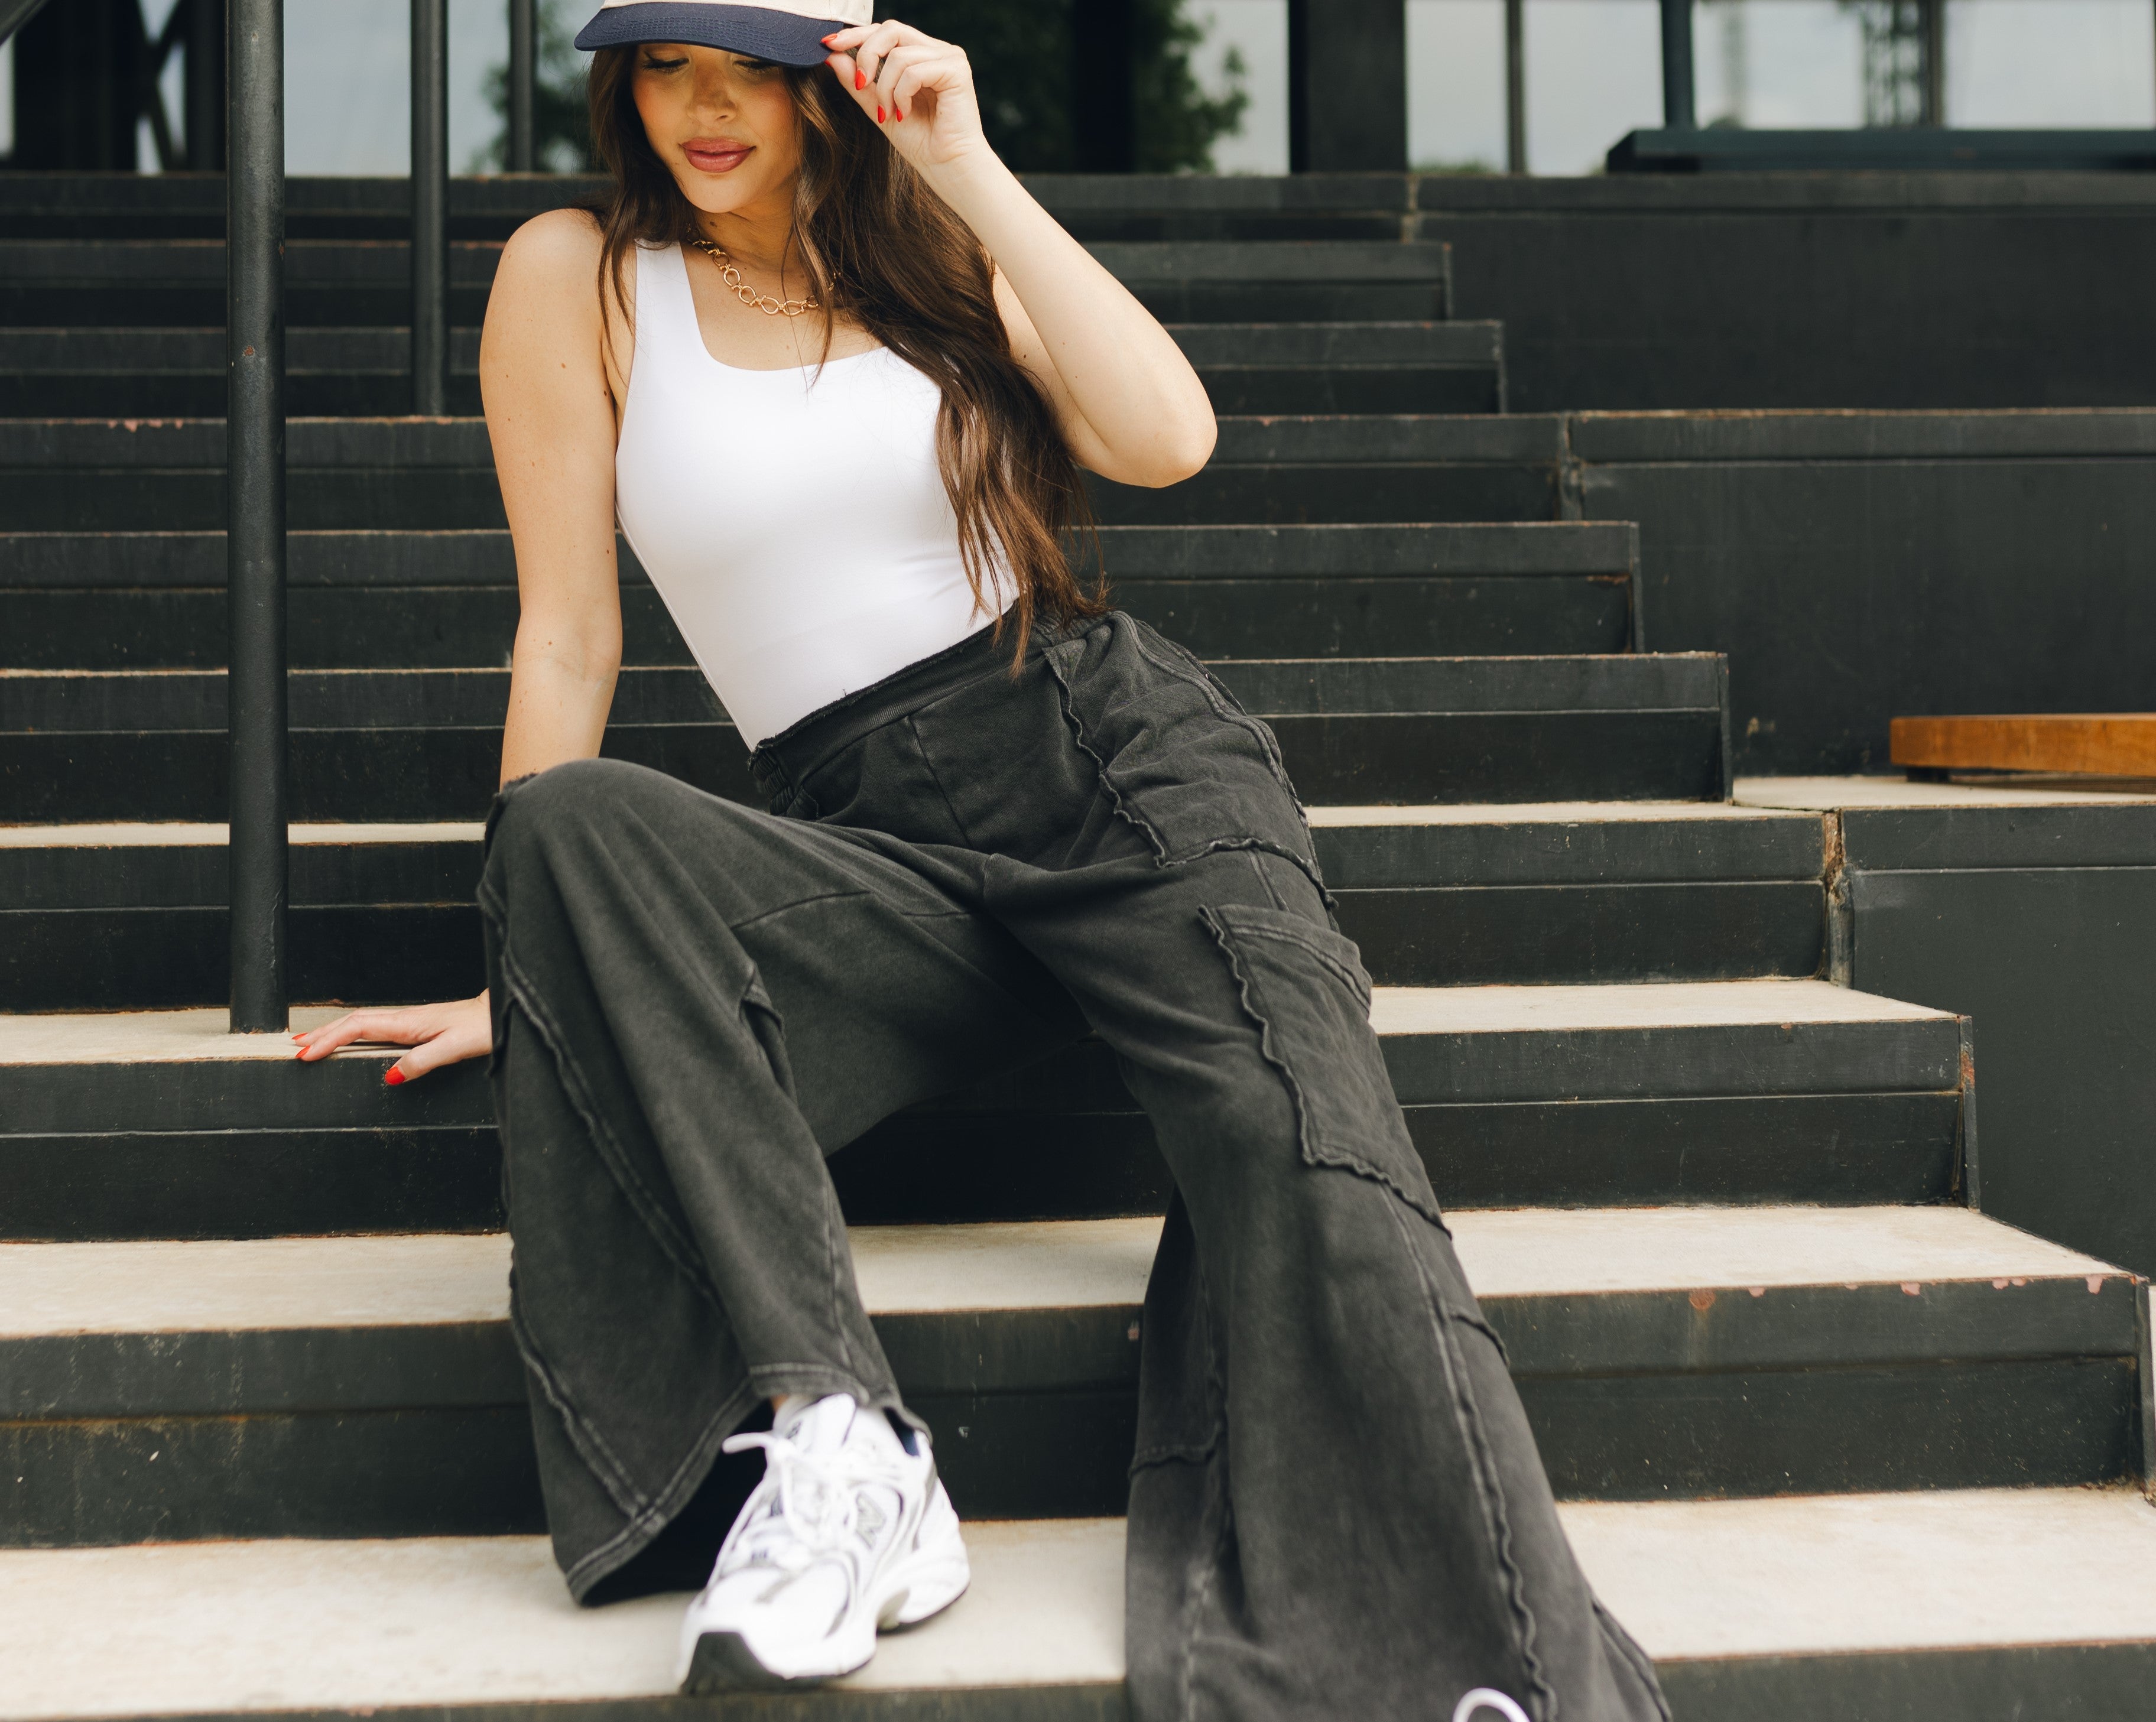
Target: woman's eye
(652,65)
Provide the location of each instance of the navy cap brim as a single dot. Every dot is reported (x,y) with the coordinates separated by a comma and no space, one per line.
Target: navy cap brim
(755,30)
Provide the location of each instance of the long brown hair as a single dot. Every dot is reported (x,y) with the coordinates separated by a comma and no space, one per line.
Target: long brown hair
(884,251)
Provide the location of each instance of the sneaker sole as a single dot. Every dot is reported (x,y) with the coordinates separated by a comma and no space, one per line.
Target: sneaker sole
(723,1662)
(912,1594)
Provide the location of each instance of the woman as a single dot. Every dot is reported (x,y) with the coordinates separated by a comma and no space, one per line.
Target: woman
(834,371)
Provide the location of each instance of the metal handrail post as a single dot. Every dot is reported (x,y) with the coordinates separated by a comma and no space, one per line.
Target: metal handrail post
(523,77)
(1515,86)
(1680,98)
(1935,62)
(255,517)
(430,207)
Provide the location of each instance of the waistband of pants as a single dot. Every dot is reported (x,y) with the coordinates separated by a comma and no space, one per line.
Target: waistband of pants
(795,752)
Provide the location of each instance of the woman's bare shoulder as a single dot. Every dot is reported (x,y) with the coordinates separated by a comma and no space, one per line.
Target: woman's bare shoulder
(556,251)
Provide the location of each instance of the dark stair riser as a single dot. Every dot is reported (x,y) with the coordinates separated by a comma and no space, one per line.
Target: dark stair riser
(406,444)
(940,1167)
(1405,388)
(415,1473)
(370,559)
(448,599)
(1734,929)
(1489,1066)
(140,925)
(385,352)
(91,205)
(124,702)
(89,219)
(1831,1113)
(75,500)
(1808,1390)
(2055,1422)
(375,774)
(356,628)
(179,285)
(159,958)
(199,305)
(1403,852)
(1959,1684)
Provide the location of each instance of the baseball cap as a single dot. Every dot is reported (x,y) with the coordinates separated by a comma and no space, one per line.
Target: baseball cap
(791,32)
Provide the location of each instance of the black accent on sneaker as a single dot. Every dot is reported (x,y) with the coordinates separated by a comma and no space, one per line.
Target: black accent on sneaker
(723,1662)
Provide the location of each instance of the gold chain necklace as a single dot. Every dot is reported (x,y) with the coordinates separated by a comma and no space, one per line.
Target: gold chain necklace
(746,294)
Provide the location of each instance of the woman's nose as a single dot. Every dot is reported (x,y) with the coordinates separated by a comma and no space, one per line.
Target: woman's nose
(714,94)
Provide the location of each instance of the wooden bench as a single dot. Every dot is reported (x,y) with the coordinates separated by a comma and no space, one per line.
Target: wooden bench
(2111,744)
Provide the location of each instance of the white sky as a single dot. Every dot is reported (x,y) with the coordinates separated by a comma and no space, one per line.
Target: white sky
(1594,70)
(1593,73)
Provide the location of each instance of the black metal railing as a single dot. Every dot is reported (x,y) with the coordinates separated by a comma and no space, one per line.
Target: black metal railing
(523,82)
(1680,89)
(430,207)
(258,797)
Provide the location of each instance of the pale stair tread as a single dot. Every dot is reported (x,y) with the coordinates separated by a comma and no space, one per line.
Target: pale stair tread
(1837,794)
(311,1627)
(1541,813)
(48,1289)
(192,834)
(183,833)
(135,1037)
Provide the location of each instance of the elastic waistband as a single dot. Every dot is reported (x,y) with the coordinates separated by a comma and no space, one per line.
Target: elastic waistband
(795,752)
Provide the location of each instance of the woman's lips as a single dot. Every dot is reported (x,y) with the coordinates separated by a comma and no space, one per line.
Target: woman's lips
(716,156)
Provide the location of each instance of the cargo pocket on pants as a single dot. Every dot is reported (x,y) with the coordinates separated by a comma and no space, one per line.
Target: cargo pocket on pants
(1304,987)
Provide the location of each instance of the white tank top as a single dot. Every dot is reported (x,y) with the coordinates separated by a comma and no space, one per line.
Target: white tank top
(794,522)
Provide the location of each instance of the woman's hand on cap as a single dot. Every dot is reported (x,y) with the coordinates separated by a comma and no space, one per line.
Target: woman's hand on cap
(919,90)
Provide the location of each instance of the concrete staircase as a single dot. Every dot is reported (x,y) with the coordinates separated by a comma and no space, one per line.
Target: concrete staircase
(1834,1443)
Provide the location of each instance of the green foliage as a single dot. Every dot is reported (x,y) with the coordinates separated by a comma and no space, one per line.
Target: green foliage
(1176,121)
(561,139)
(1021,54)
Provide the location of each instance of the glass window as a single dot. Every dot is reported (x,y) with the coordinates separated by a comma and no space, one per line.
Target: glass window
(1245,40)
(2045,63)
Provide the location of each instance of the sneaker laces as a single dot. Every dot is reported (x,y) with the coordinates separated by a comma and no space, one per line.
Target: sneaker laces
(1484,1698)
(815,1500)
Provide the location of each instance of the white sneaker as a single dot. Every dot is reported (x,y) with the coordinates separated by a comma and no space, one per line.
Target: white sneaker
(847,1534)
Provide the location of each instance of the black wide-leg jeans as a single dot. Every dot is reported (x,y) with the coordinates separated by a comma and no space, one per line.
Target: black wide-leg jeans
(1337,1508)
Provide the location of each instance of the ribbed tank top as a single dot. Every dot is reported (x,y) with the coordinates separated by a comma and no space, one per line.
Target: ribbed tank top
(794,522)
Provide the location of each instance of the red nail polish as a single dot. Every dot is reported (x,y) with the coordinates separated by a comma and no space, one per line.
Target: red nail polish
(896,114)
(829,39)
(861,79)
(878,116)
(301,1053)
(394,1077)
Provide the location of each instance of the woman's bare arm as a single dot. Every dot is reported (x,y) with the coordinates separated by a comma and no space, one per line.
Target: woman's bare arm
(1130,407)
(544,372)
(550,415)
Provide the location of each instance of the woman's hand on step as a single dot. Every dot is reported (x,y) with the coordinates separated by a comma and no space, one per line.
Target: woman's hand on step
(438,1034)
(919,90)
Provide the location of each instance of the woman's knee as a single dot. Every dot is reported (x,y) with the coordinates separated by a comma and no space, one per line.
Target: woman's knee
(536,820)
(607,827)
(573,787)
